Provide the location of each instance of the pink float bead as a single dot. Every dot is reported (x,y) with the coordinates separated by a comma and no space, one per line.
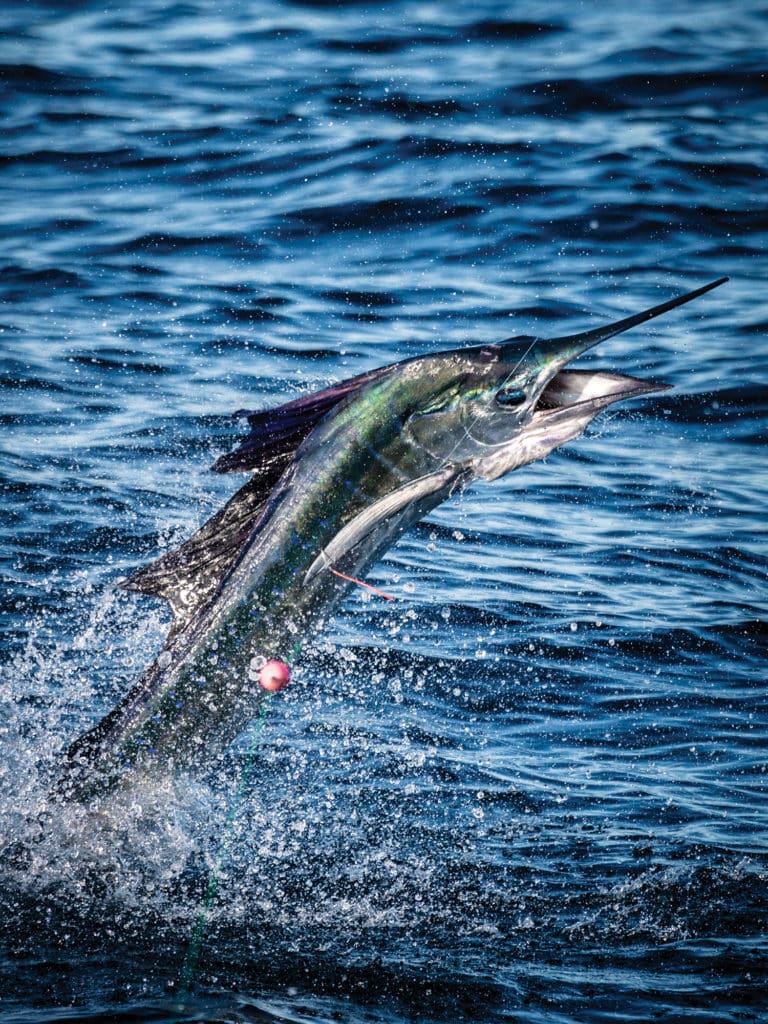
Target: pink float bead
(274,675)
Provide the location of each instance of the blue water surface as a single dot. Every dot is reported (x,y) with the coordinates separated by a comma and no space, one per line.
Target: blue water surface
(533,788)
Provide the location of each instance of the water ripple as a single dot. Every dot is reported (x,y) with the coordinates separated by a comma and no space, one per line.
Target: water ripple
(533,786)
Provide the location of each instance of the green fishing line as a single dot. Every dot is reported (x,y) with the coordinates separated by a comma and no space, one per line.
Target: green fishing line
(194,947)
(196,940)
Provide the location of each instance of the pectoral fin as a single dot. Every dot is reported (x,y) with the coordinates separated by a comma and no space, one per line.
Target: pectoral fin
(374,515)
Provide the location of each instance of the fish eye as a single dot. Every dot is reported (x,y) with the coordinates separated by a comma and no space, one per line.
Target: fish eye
(511,398)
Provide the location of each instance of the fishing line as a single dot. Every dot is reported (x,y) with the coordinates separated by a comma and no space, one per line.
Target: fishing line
(194,946)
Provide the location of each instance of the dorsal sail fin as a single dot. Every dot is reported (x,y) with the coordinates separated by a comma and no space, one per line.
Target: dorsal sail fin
(188,576)
(277,433)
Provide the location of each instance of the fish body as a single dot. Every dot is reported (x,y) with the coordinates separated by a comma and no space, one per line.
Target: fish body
(336,478)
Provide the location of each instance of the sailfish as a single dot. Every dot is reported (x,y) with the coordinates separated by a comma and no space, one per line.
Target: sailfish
(335,478)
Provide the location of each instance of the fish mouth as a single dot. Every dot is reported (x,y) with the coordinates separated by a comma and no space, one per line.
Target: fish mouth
(565,408)
(572,399)
(578,392)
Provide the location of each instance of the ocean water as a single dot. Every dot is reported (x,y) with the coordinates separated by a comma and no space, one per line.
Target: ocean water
(533,788)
